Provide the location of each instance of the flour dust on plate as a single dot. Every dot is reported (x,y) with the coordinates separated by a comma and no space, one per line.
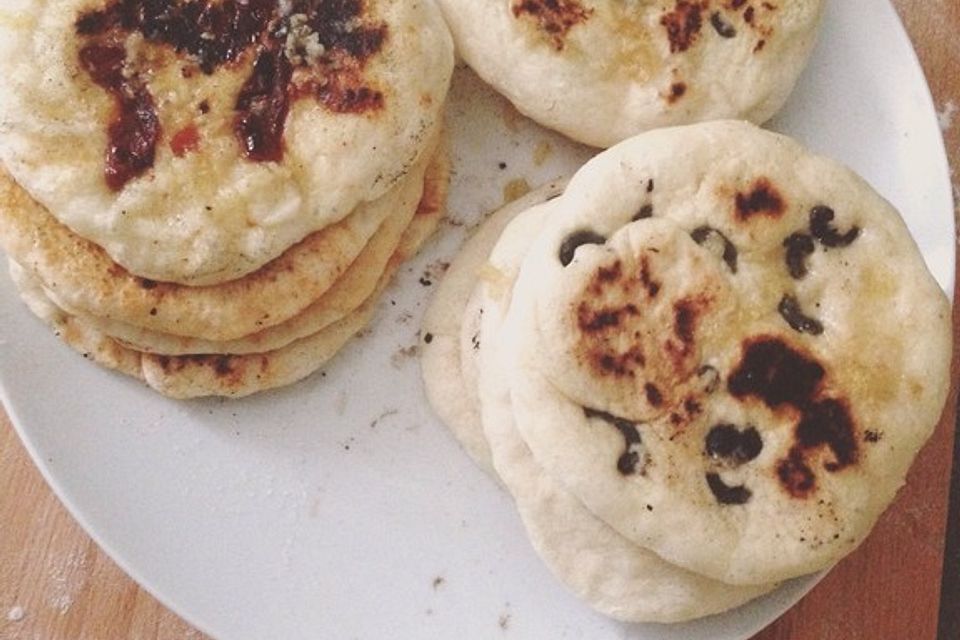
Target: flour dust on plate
(340,507)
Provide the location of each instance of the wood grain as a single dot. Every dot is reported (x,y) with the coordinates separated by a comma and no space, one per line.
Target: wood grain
(55,584)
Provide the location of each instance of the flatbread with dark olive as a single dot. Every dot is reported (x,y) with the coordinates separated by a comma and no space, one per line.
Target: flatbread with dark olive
(754,363)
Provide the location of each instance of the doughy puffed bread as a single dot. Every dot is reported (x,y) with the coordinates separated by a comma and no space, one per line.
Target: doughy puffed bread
(809,379)
(84,278)
(194,376)
(450,325)
(612,574)
(601,71)
(348,292)
(196,141)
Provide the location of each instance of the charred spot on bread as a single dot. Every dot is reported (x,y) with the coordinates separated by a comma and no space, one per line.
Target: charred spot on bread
(555,18)
(683,25)
(651,285)
(677,91)
(795,476)
(763,199)
(591,320)
(654,396)
(828,423)
(781,376)
(775,373)
(687,313)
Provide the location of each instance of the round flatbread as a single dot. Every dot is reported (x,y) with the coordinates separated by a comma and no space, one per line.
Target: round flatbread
(741,342)
(611,573)
(196,141)
(349,291)
(84,278)
(194,376)
(600,72)
(450,326)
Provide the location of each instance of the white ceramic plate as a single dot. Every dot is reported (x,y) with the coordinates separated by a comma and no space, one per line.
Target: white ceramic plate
(330,509)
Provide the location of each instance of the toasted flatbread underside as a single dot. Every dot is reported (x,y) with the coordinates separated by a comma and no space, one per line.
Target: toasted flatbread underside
(192,376)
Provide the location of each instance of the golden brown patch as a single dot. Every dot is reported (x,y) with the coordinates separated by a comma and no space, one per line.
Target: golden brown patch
(686,317)
(615,318)
(516,188)
(603,318)
(542,152)
(646,278)
(555,18)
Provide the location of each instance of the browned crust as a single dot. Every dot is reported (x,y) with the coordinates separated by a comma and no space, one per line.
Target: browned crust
(554,18)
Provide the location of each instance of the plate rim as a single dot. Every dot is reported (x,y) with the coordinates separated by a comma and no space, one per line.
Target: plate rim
(76,511)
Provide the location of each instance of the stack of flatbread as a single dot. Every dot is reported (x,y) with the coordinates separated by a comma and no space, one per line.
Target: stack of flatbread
(210,195)
(699,374)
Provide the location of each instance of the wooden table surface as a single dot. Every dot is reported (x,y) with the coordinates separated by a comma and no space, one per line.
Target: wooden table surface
(55,584)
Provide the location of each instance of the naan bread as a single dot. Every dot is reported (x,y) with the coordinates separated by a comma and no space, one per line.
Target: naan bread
(612,574)
(348,292)
(193,376)
(196,141)
(740,342)
(448,360)
(601,71)
(83,278)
